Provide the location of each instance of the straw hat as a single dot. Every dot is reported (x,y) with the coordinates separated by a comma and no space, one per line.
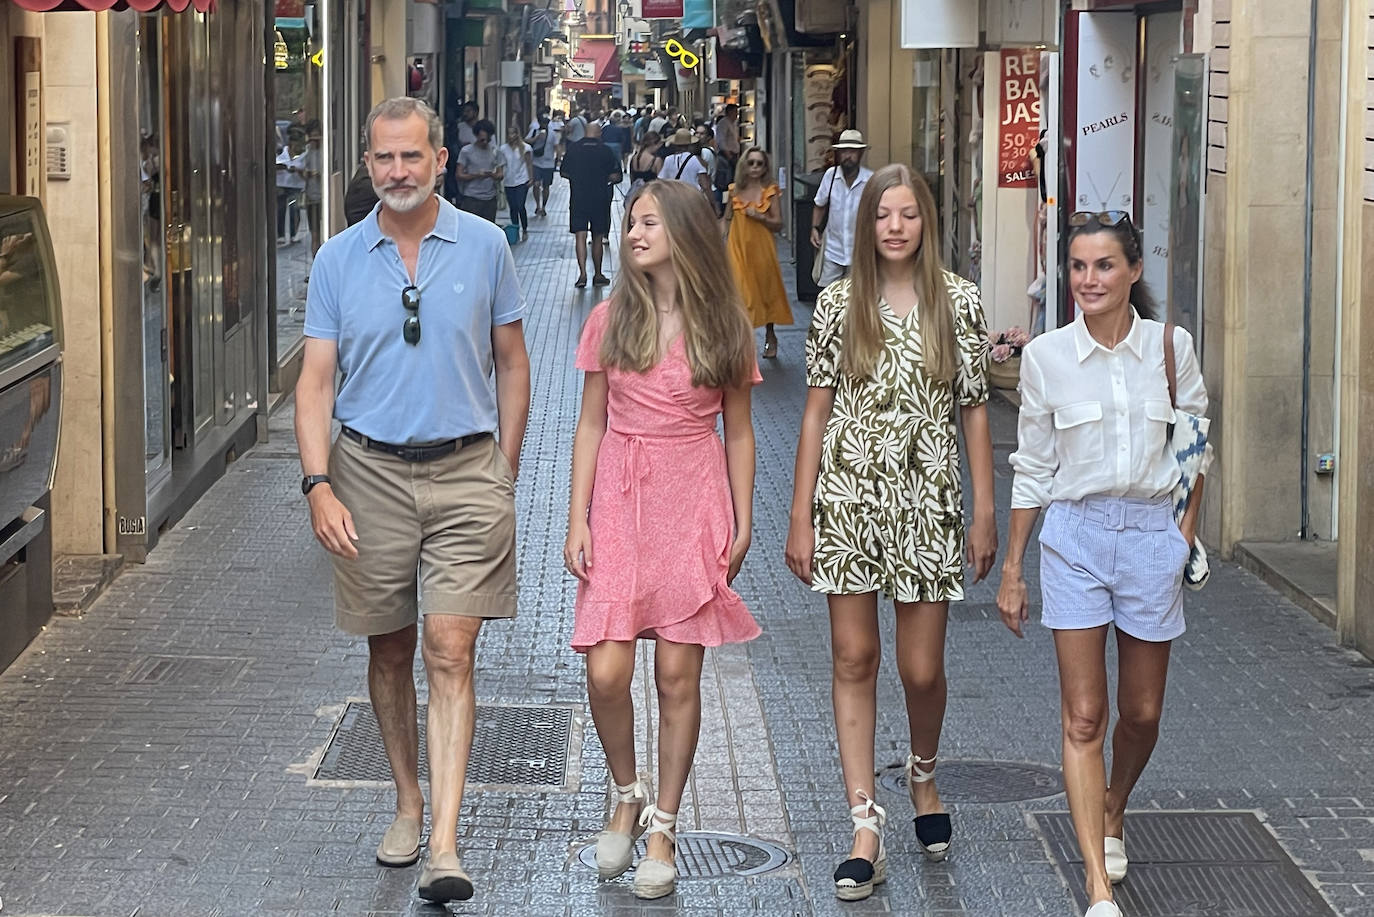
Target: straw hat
(683,137)
(850,140)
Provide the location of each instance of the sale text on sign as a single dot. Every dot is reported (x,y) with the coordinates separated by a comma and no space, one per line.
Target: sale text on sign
(1019,124)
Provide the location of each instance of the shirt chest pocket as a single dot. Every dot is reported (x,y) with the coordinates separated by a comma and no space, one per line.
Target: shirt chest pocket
(1159,414)
(1078,432)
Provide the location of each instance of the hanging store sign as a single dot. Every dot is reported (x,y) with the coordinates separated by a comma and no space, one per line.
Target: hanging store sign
(660,9)
(1019,121)
(939,24)
(1104,137)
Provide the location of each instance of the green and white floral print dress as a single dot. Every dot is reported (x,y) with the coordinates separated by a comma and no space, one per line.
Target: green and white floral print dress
(888,510)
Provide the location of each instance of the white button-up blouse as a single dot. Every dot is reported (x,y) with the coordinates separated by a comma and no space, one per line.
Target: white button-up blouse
(1095,421)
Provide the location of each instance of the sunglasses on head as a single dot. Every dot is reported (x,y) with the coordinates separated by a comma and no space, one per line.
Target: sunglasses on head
(410,329)
(1109,218)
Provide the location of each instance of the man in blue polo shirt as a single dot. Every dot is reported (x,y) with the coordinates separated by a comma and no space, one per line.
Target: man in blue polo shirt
(418,308)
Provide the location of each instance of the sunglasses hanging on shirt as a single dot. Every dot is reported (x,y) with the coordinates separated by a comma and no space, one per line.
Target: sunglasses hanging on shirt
(410,299)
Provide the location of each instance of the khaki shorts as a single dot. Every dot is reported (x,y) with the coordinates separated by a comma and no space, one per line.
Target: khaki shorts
(437,537)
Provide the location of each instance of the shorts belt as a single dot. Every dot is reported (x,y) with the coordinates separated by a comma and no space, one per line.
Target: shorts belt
(1116,514)
(426,452)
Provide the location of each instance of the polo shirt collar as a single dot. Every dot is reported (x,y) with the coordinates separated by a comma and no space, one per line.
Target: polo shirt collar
(445,225)
(1085,343)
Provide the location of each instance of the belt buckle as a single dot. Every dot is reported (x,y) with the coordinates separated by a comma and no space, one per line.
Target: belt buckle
(409,454)
(1115,516)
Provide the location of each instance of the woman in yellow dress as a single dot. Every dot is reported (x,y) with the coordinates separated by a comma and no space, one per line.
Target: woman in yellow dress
(753,213)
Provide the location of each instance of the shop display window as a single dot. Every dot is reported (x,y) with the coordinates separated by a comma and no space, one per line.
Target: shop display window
(28,294)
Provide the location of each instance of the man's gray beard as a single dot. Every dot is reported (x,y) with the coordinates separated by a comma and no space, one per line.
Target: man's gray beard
(403,201)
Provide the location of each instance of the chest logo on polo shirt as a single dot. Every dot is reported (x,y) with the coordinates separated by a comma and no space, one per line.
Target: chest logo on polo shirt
(458,288)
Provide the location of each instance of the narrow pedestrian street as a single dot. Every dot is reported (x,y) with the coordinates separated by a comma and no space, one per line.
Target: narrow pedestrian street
(197,743)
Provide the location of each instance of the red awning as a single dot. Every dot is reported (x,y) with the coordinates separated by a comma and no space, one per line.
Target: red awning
(604,54)
(143,6)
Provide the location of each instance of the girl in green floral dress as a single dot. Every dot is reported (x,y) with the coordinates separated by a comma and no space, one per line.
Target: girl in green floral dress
(877,503)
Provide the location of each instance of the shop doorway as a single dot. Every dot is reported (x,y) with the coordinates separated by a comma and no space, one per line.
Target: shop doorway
(202,264)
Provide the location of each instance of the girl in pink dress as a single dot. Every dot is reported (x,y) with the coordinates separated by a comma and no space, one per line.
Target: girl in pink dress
(661,507)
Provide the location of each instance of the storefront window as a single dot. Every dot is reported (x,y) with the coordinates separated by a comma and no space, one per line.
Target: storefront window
(926,137)
(298,68)
(157,421)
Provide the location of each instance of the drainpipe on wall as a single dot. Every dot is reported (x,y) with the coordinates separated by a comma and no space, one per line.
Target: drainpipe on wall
(104,103)
(1304,530)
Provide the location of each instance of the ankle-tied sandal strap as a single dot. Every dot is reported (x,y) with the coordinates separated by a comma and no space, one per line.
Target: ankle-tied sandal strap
(659,822)
(868,814)
(632,792)
(918,769)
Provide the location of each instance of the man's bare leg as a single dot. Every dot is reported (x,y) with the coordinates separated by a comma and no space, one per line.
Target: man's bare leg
(391,685)
(448,647)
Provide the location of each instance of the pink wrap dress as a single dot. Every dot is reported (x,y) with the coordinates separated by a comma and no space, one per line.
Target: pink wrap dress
(661,517)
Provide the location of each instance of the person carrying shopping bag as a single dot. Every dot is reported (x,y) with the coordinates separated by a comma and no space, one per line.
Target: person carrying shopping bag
(660,516)
(1093,447)
(877,503)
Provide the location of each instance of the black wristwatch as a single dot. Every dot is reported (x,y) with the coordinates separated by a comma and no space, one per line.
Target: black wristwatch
(310,480)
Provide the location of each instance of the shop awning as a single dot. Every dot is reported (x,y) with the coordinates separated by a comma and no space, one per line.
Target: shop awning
(604,56)
(143,6)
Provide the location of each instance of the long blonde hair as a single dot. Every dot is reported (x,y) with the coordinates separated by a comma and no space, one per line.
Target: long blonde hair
(718,335)
(863,326)
(742,170)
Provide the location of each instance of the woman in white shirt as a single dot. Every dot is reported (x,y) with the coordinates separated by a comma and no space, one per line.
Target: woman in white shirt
(1093,448)
(515,178)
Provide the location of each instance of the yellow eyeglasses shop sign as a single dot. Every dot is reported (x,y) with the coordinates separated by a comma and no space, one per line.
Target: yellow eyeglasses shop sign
(685,58)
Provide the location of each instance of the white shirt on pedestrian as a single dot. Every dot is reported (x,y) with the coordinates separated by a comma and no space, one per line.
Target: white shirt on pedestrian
(1095,421)
(684,167)
(287,179)
(516,172)
(843,200)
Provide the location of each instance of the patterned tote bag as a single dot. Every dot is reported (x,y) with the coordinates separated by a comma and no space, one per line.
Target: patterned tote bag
(1188,445)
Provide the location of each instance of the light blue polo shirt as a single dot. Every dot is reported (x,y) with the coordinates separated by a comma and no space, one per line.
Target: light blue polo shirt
(444,386)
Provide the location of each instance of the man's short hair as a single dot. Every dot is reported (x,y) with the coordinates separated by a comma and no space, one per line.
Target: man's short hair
(484,126)
(469,104)
(731,109)
(400,108)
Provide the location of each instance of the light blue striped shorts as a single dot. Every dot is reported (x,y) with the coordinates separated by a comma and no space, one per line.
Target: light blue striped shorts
(1113,560)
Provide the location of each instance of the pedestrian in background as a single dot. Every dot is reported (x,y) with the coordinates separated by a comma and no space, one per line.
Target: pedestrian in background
(516,168)
(312,166)
(413,307)
(1110,550)
(291,168)
(837,206)
(661,510)
(647,160)
(753,215)
(479,169)
(685,163)
(616,136)
(544,155)
(877,503)
(591,170)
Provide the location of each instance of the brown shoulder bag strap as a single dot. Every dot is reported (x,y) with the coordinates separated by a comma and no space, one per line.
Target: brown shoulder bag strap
(1170,367)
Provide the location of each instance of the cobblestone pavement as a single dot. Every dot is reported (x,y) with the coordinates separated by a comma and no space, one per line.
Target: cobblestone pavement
(192,795)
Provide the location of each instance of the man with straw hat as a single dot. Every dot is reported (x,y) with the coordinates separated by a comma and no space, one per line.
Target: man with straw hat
(837,207)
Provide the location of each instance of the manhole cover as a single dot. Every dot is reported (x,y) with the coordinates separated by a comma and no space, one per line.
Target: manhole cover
(984,781)
(512,746)
(1190,864)
(187,671)
(711,855)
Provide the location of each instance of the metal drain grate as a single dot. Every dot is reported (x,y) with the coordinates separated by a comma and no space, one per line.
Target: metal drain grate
(712,855)
(187,671)
(984,781)
(522,746)
(1193,863)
